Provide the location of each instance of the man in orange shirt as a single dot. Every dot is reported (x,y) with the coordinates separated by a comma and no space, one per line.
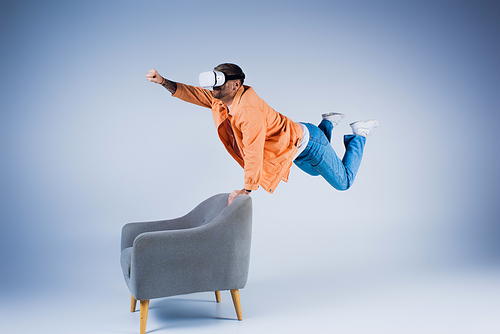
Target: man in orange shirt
(264,142)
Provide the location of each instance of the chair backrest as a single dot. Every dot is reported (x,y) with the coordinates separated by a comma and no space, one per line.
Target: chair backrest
(207,210)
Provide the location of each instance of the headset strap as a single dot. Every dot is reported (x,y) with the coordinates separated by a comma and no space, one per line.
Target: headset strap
(234,76)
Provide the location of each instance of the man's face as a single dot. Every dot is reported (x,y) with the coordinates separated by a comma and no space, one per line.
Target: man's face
(225,90)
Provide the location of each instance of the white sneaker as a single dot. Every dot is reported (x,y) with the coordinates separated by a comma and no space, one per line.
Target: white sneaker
(364,128)
(333,117)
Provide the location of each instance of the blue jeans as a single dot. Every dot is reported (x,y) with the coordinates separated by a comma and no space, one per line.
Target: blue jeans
(319,158)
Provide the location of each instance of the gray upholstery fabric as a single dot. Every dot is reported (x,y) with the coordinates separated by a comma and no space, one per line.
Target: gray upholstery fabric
(206,250)
(126,261)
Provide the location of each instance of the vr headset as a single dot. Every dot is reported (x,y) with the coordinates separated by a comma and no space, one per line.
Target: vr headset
(209,80)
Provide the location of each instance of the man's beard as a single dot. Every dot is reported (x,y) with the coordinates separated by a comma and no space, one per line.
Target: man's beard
(217,93)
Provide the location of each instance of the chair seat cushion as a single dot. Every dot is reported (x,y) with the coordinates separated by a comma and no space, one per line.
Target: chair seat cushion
(126,260)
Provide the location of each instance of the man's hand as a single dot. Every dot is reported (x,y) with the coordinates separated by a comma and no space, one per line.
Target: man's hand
(154,76)
(236,193)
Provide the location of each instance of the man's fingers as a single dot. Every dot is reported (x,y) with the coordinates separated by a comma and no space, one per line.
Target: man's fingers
(231,197)
(152,73)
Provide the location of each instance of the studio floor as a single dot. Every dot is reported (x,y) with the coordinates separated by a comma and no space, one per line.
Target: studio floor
(465,300)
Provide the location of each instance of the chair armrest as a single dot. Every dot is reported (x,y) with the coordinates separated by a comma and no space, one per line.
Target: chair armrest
(131,230)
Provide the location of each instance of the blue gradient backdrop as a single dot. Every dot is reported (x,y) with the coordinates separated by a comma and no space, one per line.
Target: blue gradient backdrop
(87,144)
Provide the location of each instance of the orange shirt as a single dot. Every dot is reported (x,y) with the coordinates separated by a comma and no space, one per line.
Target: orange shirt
(267,140)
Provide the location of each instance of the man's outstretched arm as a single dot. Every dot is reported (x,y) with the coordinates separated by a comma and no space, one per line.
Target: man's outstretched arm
(154,76)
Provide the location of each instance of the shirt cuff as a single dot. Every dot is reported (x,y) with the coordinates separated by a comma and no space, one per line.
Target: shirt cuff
(251,186)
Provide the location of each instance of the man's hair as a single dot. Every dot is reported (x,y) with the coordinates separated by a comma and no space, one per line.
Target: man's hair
(231,69)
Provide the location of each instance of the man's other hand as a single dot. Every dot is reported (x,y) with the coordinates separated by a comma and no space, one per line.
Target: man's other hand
(154,76)
(236,193)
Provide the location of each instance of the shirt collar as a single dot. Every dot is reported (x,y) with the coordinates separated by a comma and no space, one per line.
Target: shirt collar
(237,99)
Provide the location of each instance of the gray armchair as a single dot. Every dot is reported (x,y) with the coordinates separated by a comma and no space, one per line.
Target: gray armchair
(206,250)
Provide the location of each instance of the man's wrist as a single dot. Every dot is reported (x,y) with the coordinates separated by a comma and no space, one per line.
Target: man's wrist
(169,85)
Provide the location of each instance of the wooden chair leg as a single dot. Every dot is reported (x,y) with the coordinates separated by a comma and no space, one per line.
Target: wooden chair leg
(217,296)
(235,293)
(144,315)
(133,304)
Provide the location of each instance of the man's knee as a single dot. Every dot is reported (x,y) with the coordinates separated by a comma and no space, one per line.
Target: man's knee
(338,185)
(344,187)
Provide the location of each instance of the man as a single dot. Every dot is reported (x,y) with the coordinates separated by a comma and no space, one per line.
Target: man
(264,142)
